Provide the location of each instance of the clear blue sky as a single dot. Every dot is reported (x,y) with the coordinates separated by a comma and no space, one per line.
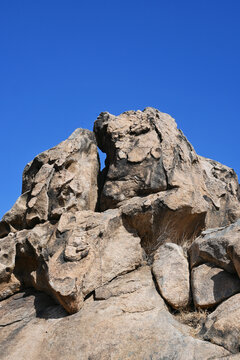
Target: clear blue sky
(63,62)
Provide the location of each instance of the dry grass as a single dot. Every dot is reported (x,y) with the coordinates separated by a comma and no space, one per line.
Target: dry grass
(168,234)
(195,319)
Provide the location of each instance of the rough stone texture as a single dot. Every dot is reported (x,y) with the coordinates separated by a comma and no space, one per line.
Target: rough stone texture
(161,217)
(171,271)
(212,285)
(154,189)
(214,246)
(71,259)
(57,180)
(132,323)
(146,154)
(223,325)
(233,251)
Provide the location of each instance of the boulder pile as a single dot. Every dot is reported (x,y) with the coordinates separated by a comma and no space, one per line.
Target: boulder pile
(99,265)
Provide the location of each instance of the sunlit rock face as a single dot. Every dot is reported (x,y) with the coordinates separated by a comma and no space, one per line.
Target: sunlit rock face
(122,251)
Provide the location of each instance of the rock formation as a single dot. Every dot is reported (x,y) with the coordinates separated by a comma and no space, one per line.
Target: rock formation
(109,265)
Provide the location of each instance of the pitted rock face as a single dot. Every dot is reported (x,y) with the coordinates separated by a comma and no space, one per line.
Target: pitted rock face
(147,154)
(57,180)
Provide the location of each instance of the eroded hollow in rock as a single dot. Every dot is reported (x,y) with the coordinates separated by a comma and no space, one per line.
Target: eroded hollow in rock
(165,225)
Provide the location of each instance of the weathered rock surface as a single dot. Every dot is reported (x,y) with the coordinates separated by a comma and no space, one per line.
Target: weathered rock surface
(71,259)
(215,246)
(223,325)
(146,154)
(132,323)
(212,285)
(155,194)
(57,180)
(161,217)
(171,271)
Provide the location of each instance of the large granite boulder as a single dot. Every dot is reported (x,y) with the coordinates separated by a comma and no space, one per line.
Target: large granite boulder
(212,285)
(216,247)
(171,271)
(147,154)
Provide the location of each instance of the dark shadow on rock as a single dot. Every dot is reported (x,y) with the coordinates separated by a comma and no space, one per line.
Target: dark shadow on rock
(225,286)
(47,308)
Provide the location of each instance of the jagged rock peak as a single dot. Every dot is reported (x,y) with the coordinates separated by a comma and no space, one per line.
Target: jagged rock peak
(55,181)
(146,154)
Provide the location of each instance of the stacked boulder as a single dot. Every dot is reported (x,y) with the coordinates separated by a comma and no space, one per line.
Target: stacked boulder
(110,247)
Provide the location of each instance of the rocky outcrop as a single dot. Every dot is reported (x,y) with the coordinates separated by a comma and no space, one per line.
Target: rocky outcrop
(169,259)
(54,182)
(92,265)
(147,154)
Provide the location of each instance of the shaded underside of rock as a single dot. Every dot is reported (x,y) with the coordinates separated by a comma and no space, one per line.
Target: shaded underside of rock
(212,285)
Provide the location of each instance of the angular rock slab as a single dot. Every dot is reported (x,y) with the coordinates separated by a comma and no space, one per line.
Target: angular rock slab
(171,271)
(222,326)
(146,154)
(72,258)
(212,285)
(127,325)
(213,246)
(59,179)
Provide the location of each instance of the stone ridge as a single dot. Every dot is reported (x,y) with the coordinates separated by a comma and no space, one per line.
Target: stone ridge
(122,250)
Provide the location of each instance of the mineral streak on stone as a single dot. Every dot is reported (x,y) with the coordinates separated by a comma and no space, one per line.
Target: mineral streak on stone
(107,248)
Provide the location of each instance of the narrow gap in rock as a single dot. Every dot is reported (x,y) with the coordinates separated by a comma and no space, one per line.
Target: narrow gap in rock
(91,294)
(101,177)
(102,157)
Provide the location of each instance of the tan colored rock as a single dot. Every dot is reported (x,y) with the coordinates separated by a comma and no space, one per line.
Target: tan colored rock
(7,257)
(155,190)
(9,287)
(233,250)
(130,324)
(147,154)
(54,182)
(71,259)
(171,271)
(222,326)
(163,217)
(212,285)
(125,284)
(214,246)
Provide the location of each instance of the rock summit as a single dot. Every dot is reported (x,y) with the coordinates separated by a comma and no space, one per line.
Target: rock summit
(138,261)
